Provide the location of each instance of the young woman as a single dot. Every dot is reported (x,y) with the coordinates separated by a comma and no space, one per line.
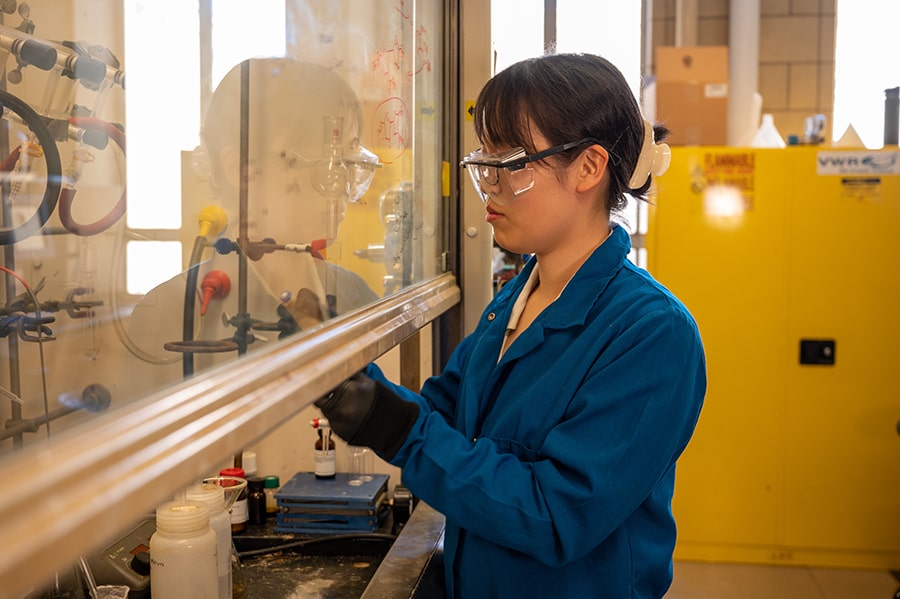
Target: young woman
(549,442)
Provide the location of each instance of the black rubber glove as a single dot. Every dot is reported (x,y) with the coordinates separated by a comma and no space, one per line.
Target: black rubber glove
(366,413)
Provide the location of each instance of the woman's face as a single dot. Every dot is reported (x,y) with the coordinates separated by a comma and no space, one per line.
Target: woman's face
(297,112)
(287,205)
(540,219)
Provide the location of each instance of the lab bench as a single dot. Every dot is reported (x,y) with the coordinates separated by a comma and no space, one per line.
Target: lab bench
(345,566)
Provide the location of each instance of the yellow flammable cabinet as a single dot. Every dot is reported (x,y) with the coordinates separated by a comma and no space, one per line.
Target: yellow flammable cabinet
(790,261)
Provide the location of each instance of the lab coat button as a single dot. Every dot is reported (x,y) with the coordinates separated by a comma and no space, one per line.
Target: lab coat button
(491,316)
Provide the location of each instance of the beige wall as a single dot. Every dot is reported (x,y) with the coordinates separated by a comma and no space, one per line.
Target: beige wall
(796,53)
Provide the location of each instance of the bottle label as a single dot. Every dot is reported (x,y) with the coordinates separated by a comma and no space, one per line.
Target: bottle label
(239,512)
(325,460)
(271,502)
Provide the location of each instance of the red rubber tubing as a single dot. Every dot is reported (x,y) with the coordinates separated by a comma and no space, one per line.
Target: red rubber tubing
(67,195)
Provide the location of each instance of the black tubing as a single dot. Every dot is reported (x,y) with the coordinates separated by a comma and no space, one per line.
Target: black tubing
(12,235)
(353,536)
(190,303)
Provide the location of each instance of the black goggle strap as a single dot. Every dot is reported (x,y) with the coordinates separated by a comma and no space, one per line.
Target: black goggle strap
(517,162)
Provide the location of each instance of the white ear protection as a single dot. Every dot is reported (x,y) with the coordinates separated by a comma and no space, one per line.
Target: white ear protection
(653,160)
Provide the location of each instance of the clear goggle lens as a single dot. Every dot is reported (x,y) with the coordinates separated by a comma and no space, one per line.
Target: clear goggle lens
(485,171)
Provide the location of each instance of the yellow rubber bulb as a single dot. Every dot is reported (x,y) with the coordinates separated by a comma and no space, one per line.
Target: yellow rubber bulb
(213,220)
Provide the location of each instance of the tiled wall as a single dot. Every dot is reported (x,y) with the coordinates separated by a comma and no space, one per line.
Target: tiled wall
(796,53)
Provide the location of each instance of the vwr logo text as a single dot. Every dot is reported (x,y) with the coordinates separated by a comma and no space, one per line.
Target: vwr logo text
(858,163)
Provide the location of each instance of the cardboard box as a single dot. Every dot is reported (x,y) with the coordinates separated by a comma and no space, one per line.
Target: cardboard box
(692,94)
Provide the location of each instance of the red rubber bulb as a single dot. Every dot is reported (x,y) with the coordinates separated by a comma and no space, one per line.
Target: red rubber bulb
(215,285)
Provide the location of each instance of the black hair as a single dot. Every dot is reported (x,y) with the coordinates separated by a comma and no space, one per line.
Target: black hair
(567,97)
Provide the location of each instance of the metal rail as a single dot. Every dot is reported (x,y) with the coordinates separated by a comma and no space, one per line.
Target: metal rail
(414,566)
(66,497)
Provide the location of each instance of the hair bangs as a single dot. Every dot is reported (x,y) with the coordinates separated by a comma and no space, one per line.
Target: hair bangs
(501,114)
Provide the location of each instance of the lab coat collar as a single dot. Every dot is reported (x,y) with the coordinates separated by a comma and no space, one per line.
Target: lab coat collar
(588,283)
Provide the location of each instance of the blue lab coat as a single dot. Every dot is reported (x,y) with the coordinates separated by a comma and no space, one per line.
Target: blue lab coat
(555,467)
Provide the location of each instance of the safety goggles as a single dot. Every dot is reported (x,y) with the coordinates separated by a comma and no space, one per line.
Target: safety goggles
(484,169)
(345,176)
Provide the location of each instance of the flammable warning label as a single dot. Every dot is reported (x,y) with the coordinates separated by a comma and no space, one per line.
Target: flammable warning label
(735,171)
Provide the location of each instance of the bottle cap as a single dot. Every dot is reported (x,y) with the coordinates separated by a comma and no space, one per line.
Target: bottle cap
(239,472)
(182,516)
(255,483)
(272,482)
(248,458)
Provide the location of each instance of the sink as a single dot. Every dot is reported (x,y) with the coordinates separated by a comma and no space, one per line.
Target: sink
(371,544)
(347,566)
(278,566)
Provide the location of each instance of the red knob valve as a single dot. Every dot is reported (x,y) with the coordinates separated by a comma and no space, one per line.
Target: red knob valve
(317,246)
(215,285)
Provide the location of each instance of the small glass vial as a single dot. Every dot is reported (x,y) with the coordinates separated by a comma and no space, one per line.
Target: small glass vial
(220,523)
(271,486)
(256,500)
(239,513)
(325,452)
(183,555)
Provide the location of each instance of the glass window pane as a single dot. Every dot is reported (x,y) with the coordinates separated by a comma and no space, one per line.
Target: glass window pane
(517,30)
(160,121)
(865,28)
(300,178)
(149,263)
(605,27)
(610,28)
(261,32)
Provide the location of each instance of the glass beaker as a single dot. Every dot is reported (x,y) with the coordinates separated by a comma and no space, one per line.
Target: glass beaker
(238,582)
(368,460)
(69,584)
(355,469)
(65,584)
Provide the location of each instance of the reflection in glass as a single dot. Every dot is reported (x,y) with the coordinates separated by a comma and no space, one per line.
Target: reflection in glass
(315,189)
(305,177)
